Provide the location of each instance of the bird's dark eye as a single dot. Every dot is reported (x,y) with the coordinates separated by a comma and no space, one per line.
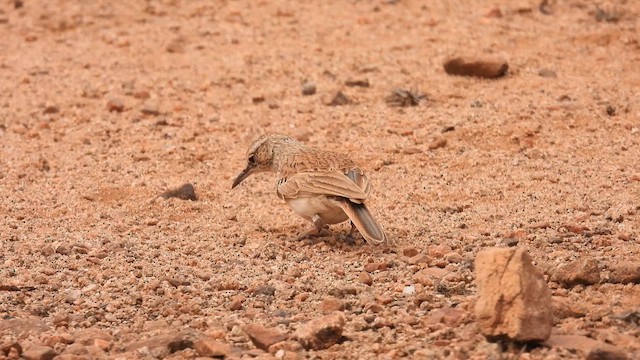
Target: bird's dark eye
(252,160)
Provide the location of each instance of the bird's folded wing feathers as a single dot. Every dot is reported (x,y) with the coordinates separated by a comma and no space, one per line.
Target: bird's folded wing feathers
(331,183)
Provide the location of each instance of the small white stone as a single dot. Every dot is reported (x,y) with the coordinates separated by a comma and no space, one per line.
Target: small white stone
(409,290)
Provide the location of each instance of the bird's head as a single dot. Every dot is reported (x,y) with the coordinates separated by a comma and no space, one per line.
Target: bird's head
(260,156)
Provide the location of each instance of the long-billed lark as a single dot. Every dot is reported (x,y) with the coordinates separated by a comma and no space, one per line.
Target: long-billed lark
(322,186)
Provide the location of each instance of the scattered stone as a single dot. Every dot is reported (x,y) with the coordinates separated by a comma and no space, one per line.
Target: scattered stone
(88,336)
(419,259)
(339,99)
(236,303)
(579,272)
(453,258)
(331,304)
(308,88)
(372,267)
(449,316)
(488,69)
(405,98)
(447,128)
(365,278)
(564,308)
(625,272)
(176,45)
(287,346)
(266,290)
(51,109)
(409,290)
(211,348)
(115,105)
(588,346)
(547,73)
(39,352)
(263,337)
(514,301)
(321,333)
(438,143)
(141,94)
(607,353)
(184,192)
(150,109)
(10,347)
(357,83)
(22,327)
(258,99)
(494,13)
(162,345)
(410,252)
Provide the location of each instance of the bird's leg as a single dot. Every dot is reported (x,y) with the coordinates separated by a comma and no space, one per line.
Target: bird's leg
(350,238)
(318,226)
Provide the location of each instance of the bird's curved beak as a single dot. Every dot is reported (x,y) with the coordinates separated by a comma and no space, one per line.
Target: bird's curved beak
(243,175)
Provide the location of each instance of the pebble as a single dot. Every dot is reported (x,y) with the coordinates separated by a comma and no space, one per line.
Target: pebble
(211,348)
(547,73)
(624,272)
(515,305)
(409,290)
(39,352)
(115,105)
(339,99)
(263,337)
(583,271)
(321,333)
(449,316)
(357,83)
(372,267)
(51,109)
(184,192)
(308,88)
(331,304)
(482,68)
(590,348)
(150,109)
(365,278)
(410,252)
(438,143)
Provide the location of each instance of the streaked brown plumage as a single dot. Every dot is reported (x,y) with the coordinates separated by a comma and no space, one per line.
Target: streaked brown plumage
(322,186)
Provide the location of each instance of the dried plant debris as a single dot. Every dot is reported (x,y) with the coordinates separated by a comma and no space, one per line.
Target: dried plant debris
(405,98)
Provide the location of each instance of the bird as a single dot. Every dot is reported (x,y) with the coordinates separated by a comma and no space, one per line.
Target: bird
(322,186)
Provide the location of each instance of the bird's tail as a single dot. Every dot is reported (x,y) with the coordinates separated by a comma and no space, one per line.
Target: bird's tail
(364,222)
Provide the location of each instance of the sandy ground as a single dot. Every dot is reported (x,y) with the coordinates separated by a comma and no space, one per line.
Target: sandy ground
(549,163)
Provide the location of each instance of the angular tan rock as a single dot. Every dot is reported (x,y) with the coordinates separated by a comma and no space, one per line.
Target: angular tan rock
(583,271)
(263,337)
(211,348)
(321,333)
(514,301)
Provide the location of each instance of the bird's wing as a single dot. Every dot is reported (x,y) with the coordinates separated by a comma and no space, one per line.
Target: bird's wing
(352,185)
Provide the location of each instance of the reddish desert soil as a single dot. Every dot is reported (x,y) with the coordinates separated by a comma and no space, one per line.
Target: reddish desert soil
(105,105)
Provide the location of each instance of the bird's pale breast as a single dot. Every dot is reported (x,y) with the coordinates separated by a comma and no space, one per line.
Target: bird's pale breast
(328,209)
